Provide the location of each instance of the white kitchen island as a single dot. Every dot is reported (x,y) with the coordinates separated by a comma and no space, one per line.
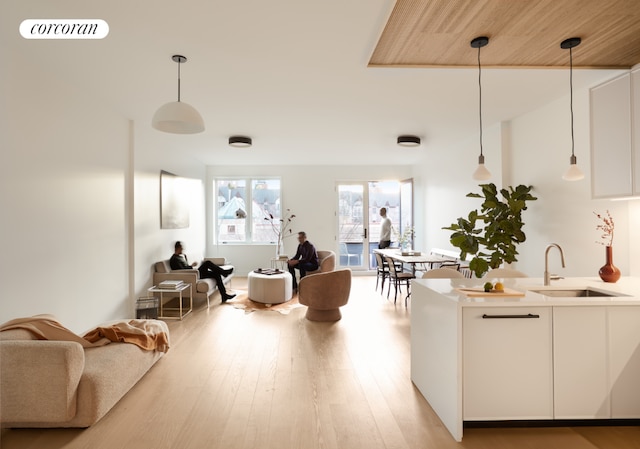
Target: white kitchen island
(528,357)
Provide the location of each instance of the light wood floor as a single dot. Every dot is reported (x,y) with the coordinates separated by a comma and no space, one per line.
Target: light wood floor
(271,381)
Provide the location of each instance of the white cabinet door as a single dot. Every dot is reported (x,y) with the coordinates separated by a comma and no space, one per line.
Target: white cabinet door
(580,362)
(611,163)
(507,359)
(624,361)
(635,125)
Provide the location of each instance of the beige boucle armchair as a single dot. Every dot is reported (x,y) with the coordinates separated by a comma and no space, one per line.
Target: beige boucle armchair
(202,289)
(324,294)
(326,262)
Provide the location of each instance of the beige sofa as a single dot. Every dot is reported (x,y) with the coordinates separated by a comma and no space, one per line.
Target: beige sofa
(46,383)
(202,288)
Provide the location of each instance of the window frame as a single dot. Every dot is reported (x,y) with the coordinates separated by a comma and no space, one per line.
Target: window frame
(249,222)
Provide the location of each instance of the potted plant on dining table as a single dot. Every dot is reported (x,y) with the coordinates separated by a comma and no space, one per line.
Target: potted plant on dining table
(405,240)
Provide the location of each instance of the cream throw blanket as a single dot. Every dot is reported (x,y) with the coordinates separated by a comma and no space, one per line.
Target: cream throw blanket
(147,334)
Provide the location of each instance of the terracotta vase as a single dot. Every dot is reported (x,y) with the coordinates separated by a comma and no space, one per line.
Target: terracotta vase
(609,272)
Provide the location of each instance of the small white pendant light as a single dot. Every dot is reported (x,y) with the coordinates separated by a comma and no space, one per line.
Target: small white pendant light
(481,173)
(178,117)
(573,173)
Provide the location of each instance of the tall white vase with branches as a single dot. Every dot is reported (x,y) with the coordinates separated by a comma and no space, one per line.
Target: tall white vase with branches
(281,228)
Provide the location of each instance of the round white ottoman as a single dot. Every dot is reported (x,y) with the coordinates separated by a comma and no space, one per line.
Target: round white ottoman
(270,288)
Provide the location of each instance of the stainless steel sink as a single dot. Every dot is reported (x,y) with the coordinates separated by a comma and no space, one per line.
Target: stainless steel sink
(575,293)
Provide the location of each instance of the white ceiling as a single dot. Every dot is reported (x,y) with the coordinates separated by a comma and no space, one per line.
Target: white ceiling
(291,74)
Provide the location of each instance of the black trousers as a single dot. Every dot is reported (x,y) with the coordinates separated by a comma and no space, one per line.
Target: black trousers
(209,270)
(303,267)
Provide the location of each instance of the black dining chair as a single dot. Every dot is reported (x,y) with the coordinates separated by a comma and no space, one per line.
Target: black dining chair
(398,277)
(382,272)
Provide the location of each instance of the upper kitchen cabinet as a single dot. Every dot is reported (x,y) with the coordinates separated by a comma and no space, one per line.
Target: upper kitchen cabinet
(635,127)
(611,154)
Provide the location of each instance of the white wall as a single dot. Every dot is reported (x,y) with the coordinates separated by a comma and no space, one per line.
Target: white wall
(80,193)
(309,191)
(65,242)
(151,242)
(564,210)
(445,178)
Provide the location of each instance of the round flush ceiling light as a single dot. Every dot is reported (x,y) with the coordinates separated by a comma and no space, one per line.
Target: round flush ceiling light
(409,141)
(240,141)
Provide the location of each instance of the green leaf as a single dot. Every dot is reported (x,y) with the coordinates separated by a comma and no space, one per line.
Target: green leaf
(494,242)
(478,266)
(457,239)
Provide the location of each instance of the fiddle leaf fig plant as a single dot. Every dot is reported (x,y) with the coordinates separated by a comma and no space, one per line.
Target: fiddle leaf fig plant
(492,234)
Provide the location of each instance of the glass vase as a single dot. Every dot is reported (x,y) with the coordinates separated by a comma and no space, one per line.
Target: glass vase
(609,272)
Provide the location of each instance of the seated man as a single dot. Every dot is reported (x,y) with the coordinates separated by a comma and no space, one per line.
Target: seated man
(208,270)
(306,259)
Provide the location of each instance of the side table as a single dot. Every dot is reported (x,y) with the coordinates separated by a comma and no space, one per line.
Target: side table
(280,263)
(182,312)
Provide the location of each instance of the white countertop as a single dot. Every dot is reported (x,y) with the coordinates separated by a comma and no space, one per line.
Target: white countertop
(629,287)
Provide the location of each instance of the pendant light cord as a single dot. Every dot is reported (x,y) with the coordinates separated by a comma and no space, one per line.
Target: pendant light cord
(480,98)
(571,95)
(179,80)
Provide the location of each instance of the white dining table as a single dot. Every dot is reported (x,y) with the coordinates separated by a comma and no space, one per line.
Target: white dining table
(412,259)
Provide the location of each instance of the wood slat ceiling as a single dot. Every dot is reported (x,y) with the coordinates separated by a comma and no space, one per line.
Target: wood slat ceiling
(522,33)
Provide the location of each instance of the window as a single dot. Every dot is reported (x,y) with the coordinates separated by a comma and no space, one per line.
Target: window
(241,208)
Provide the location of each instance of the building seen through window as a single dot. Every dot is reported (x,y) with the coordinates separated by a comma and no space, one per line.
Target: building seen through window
(241,208)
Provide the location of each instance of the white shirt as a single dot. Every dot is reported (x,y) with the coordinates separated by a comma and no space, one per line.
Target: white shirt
(385,230)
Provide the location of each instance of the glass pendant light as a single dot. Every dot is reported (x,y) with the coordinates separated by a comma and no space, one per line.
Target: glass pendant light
(481,173)
(178,117)
(573,173)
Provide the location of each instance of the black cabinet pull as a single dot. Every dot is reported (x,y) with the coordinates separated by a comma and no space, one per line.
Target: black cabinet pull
(528,315)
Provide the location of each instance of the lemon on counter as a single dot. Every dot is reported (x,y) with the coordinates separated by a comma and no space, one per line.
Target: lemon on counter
(498,287)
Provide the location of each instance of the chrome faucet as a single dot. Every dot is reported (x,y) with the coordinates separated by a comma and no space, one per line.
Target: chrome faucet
(547,276)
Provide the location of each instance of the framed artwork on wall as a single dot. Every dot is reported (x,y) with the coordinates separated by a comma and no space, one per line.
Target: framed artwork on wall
(174,201)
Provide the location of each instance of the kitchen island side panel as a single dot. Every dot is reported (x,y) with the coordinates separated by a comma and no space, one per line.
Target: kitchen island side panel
(436,355)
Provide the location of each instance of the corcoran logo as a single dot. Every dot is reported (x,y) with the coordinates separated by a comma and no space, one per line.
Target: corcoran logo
(64,29)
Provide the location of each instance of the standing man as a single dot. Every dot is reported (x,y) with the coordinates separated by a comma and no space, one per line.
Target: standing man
(207,269)
(306,259)
(385,229)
